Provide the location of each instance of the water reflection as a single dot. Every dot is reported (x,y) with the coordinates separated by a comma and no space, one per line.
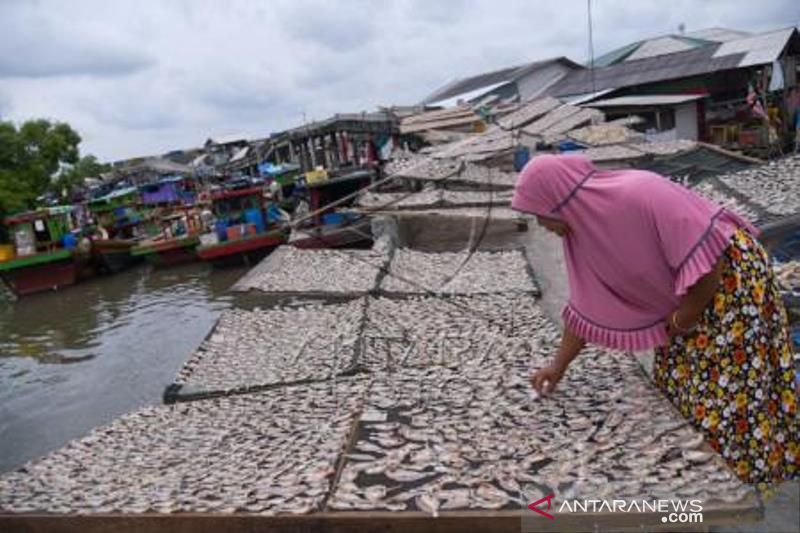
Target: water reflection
(73,359)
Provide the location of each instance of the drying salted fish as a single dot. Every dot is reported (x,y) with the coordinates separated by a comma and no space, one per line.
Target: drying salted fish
(455,499)
(292,270)
(774,187)
(214,455)
(305,343)
(434,412)
(713,192)
(413,272)
(788,275)
(695,456)
(429,503)
(693,442)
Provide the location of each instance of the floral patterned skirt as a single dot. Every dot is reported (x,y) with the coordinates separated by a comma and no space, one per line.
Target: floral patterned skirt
(733,377)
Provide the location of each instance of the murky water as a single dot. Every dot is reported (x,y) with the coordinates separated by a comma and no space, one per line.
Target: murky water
(74,359)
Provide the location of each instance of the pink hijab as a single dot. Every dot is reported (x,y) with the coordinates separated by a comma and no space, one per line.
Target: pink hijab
(637,243)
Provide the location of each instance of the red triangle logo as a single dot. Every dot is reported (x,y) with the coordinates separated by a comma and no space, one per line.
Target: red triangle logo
(534,506)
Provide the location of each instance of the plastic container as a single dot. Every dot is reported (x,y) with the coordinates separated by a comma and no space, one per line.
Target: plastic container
(209,239)
(7,252)
(332,219)
(221,229)
(69,241)
(273,213)
(521,156)
(256,218)
(234,232)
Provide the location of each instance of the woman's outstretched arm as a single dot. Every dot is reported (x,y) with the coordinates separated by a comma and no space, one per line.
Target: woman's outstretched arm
(545,379)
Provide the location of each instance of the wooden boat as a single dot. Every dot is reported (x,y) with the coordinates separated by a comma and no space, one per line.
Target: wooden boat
(176,242)
(42,262)
(114,255)
(242,235)
(39,272)
(355,234)
(119,222)
(167,252)
(247,250)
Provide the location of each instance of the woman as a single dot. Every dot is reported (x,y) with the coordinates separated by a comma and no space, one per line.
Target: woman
(651,265)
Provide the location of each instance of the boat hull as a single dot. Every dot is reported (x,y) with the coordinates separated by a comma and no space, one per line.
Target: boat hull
(241,251)
(41,277)
(168,253)
(114,255)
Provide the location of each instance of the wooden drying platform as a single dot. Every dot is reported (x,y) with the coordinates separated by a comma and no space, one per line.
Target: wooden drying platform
(385,522)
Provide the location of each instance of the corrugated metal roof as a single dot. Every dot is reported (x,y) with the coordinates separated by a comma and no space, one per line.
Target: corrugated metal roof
(497,78)
(228,139)
(617,55)
(642,71)
(646,100)
(466,96)
(660,46)
(473,83)
(718,35)
(758,49)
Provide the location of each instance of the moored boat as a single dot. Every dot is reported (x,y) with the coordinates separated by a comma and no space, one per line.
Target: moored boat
(246,229)
(247,249)
(118,227)
(114,255)
(175,243)
(167,251)
(46,254)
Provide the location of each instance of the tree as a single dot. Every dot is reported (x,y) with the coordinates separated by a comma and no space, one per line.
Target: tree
(31,156)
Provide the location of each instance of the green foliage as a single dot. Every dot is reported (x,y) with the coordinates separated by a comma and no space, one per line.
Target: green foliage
(36,157)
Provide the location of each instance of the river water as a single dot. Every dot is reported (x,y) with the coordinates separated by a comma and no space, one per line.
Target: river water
(74,359)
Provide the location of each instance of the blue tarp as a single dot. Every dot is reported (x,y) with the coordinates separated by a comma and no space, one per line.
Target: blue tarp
(275,170)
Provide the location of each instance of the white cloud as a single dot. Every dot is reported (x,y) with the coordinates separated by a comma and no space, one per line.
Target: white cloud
(141,77)
(34,45)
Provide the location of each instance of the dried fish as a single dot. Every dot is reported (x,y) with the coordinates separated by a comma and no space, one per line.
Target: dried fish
(480,272)
(429,503)
(771,187)
(293,270)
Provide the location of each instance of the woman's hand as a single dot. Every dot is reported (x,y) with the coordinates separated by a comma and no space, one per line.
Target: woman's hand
(679,323)
(545,379)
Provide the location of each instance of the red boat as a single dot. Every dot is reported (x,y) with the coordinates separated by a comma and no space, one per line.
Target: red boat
(247,250)
(242,235)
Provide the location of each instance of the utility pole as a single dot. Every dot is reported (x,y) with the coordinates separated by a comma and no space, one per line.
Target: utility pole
(591,45)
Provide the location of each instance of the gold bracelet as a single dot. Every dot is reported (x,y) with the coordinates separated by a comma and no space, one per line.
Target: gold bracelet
(678,327)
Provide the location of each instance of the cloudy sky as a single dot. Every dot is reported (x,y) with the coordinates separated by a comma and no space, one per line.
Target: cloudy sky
(146,76)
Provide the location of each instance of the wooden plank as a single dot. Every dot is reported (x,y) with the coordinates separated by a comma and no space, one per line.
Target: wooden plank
(384,521)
